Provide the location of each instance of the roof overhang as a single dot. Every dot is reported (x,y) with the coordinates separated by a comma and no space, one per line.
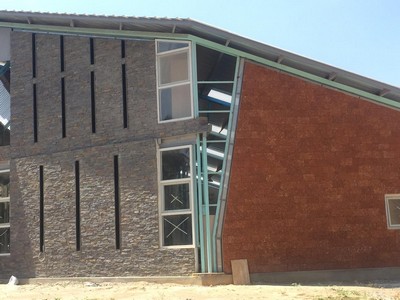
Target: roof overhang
(184,28)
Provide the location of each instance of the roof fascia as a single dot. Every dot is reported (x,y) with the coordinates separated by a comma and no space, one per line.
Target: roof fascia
(203,42)
(103,18)
(93,31)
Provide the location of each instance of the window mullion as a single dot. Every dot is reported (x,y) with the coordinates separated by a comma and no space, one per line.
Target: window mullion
(173,84)
(175,181)
(176,212)
(176,215)
(172,52)
(174,99)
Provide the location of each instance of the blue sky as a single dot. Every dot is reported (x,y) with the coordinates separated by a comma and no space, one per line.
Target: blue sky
(361,36)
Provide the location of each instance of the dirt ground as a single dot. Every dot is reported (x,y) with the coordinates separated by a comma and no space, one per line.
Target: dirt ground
(143,290)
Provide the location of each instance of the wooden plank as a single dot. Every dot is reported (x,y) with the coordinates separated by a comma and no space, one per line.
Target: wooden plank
(240,272)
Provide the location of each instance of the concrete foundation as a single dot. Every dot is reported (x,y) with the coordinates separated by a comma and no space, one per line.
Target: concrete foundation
(353,276)
(196,279)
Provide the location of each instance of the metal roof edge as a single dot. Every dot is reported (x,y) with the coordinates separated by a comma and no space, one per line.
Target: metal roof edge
(285,54)
(86,16)
(225,38)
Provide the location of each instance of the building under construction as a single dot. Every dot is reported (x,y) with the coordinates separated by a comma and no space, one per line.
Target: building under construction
(152,146)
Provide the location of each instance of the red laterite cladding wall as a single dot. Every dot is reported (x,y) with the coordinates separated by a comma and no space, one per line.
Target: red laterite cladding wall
(310,170)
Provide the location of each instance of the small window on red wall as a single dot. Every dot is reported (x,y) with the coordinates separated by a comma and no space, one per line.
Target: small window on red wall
(392,203)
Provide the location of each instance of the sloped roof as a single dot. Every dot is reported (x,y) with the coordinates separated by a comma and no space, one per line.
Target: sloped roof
(223,37)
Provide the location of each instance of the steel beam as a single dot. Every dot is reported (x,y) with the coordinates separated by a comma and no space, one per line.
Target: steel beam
(206,205)
(200,204)
(203,42)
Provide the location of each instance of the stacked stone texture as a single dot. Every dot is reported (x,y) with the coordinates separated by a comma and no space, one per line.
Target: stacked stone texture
(140,253)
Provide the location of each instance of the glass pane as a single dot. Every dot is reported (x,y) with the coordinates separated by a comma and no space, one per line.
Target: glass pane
(175,102)
(176,197)
(213,65)
(4,212)
(168,46)
(175,164)
(4,240)
(4,135)
(177,230)
(4,185)
(174,68)
(394,210)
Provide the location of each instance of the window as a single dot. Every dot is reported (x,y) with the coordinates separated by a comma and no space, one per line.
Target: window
(392,203)
(176,196)
(174,81)
(4,212)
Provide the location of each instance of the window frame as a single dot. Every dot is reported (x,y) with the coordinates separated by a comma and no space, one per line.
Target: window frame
(162,183)
(6,200)
(189,81)
(389,197)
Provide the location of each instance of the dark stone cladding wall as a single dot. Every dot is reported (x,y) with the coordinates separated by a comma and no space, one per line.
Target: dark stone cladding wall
(4,154)
(311,166)
(140,253)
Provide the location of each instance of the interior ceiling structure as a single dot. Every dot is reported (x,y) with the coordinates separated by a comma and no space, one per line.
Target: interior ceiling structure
(188,26)
(215,77)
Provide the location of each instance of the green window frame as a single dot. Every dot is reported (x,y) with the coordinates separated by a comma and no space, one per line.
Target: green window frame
(174,81)
(176,197)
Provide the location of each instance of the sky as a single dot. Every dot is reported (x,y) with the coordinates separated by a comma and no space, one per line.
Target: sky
(360,36)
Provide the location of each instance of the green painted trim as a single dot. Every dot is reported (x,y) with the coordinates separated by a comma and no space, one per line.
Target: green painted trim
(206,203)
(193,65)
(200,205)
(213,172)
(216,82)
(293,71)
(95,31)
(213,111)
(195,199)
(217,213)
(202,42)
(194,80)
(216,141)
